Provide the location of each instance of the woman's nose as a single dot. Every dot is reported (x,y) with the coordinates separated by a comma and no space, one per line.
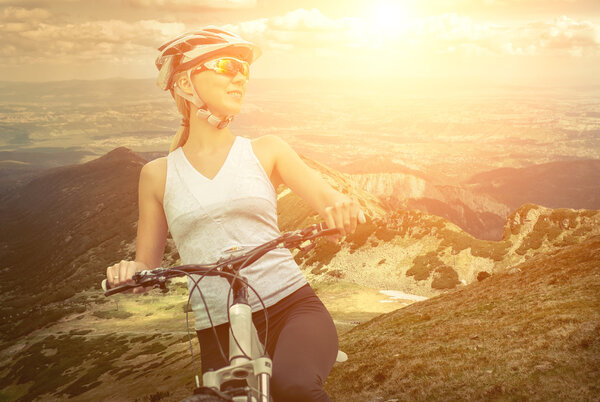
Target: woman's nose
(239,77)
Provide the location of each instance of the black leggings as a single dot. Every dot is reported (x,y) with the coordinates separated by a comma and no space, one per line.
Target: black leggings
(302,343)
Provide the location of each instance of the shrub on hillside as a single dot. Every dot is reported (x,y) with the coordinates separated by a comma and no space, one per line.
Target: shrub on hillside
(385,234)
(336,273)
(532,241)
(323,253)
(360,235)
(445,278)
(457,240)
(496,250)
(423,266)
(108,314)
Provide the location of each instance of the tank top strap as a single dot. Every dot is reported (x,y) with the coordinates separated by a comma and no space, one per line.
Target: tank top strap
(246,157)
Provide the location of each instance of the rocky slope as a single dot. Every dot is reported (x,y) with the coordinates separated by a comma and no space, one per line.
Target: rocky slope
(532,333)
(481,205)
(426,255)
(478,214)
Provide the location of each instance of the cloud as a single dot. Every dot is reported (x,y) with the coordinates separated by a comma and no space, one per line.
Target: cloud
(31,36)
(440,34)
(564,34)
(451,33)
(111,40)
(20,14)
(479,4)
(300,28)
(193,4)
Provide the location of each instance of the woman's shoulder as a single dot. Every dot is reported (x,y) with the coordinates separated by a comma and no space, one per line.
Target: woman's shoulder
(154,175)
(269,142)
(156,167)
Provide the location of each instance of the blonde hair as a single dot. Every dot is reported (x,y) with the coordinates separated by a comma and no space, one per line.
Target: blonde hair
(183,132)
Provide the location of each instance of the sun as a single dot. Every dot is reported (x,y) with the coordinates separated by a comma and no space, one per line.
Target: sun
(389,16)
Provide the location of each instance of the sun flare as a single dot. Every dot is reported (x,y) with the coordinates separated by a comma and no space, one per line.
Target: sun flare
(390,16)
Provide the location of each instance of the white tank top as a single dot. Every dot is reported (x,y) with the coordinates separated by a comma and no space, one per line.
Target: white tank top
(238,207)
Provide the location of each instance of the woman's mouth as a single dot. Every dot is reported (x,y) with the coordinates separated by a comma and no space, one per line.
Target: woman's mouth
(235,94)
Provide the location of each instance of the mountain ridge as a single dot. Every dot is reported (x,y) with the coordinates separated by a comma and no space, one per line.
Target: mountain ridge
(63,228)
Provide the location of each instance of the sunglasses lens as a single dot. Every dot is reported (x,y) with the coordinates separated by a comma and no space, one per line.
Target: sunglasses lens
(232,67)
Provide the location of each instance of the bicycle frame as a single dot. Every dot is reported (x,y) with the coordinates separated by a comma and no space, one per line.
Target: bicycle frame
(247,360)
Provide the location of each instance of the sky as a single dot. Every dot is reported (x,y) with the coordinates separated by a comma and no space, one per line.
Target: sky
(520,42)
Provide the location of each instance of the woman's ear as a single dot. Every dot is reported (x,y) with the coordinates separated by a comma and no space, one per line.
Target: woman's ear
(184,83)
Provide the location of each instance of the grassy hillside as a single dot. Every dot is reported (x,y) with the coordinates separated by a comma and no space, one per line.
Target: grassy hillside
(135,347)
(530,333)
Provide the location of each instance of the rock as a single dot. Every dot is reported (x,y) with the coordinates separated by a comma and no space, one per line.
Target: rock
(483,275)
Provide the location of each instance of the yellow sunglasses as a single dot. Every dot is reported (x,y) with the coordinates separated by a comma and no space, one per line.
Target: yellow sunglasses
(225,65)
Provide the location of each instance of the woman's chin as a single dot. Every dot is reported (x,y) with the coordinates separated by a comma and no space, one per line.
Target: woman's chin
(233,109)
(226,111)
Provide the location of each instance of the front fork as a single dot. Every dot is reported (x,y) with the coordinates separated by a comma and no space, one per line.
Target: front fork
(246,359)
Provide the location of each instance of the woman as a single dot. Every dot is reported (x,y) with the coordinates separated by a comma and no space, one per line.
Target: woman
(215,191)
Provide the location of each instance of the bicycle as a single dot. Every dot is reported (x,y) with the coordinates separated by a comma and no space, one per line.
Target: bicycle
(247,358)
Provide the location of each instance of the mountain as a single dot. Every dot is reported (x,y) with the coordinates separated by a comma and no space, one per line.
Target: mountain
(478,214)
(565,184)
(68,223)
(20,167)
(532,333)
(376,164)
(426,255)
(78,218)
(59,230)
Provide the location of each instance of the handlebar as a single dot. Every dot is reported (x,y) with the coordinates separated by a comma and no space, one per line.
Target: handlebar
(226,265)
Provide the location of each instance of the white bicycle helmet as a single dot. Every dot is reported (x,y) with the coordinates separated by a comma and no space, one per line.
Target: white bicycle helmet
(192,48)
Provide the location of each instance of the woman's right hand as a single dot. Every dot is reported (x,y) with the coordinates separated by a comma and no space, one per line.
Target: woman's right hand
(122,273)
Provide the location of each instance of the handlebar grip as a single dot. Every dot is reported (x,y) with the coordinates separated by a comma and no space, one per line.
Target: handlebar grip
(108,291)
(119,289)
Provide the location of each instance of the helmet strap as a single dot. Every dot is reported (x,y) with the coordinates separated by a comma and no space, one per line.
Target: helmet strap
(203,112)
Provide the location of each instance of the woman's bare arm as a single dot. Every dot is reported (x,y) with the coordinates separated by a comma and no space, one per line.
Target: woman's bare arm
(152,223)
(152,227)
(334,207)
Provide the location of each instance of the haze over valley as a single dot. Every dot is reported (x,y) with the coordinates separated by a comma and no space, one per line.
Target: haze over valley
(457,151)
(446,131)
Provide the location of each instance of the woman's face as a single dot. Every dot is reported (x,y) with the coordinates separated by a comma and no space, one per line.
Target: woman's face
(222,93)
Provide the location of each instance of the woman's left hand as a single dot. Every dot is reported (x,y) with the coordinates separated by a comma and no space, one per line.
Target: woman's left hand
(343,215)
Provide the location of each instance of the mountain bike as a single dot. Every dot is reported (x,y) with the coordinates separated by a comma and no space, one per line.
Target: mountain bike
(247,358)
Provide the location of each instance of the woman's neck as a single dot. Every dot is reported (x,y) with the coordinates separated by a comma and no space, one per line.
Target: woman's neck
(206,138)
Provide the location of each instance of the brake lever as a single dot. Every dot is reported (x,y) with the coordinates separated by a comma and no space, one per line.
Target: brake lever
(307,248)
(160,282)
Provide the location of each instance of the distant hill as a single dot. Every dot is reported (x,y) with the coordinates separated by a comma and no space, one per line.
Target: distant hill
(60,230)
(20,167)
(566,184)
(380,164)
(532,333)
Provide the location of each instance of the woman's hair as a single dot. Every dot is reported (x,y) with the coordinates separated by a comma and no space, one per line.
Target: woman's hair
(183,132)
